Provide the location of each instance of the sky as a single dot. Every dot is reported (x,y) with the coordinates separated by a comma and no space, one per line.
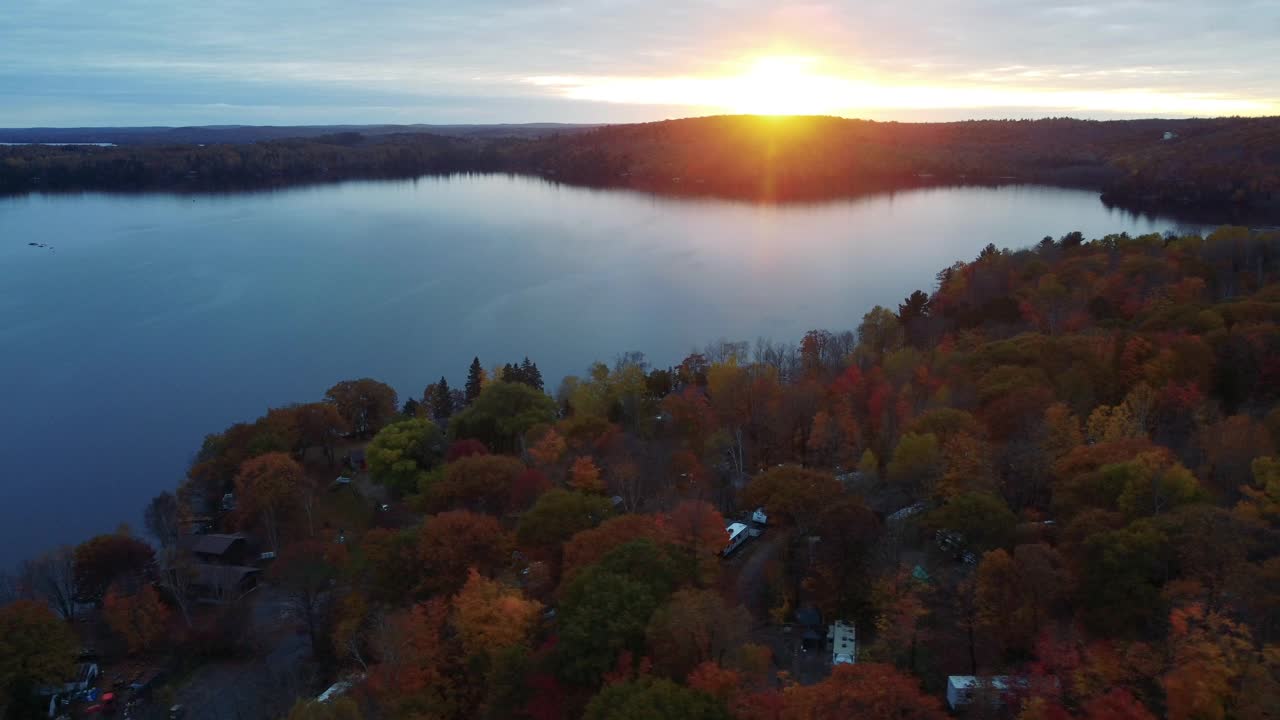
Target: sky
(68,63)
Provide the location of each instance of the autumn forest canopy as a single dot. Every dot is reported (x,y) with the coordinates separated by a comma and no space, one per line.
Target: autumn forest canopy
(1058,465)
(1225,165)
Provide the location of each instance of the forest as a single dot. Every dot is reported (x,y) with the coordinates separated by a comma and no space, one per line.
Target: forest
(1226,165)
(1055,470)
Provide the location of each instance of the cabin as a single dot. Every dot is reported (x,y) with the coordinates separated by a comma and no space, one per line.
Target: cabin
(219,584)
(738,534)
(218,549)
(844,644)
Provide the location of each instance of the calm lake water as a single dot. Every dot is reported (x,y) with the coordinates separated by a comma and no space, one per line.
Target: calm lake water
(151,320)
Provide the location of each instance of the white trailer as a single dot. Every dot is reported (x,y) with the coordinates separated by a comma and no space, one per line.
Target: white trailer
(844,643)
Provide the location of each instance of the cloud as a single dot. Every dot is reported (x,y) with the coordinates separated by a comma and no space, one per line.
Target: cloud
(147,61)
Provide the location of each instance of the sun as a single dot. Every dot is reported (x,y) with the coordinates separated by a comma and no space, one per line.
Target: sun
(781,86)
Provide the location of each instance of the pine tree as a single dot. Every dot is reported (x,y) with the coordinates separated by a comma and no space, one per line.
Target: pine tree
(475,380)
(511,373)
(442,401)
(530,374)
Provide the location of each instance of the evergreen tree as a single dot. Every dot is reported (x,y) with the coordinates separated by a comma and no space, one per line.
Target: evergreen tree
(511,373)
(531,375)
(475,379)
(442,405)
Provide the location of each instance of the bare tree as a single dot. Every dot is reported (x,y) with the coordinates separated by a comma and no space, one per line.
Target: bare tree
(177,575)
(52,577)
(162,519)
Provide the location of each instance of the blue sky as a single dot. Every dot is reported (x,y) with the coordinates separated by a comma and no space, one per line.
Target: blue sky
(177,62)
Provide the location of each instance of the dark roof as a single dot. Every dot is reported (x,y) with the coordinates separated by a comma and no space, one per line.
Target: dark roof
(215,544)
(808,616)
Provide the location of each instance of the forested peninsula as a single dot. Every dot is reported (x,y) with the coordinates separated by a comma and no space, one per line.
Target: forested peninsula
(1224,165)
(1045,486)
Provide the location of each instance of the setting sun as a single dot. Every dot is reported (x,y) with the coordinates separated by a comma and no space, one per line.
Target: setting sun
(781,86)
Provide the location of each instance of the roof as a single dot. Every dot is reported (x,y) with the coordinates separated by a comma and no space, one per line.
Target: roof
(844,647)
(809,615)
(215,544)
(734,529)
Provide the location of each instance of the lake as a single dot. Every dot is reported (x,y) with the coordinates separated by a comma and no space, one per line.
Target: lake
(150,320)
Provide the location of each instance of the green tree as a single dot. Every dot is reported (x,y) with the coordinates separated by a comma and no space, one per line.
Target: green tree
(1121,575)
(37,648)
(650,699)
(984,520)
(603,614)
(501,414)
(878,333)
(558,515)
(916,464)
(401,452)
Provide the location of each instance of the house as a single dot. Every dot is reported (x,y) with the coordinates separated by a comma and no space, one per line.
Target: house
(223,583)
(218,549)
(992,690)
(844,644)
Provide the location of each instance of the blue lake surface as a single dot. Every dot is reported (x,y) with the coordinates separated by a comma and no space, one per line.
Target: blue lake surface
(151,320)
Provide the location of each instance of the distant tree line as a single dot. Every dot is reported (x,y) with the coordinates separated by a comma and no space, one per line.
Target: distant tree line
(1218,164)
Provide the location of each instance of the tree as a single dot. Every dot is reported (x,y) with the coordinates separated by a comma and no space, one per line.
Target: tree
(480,482)
(792,494)
(51,577)
(557,515)
(318,424)
(492,618)
(412,652)
(501,414)
(305,573)
(365,404)
(916,464)
(37,649)
(695,626)
(139,619)
(528,486)
(268,492)
(1121,574)
(387,562)
(475,380)
(699,528)
(453,542)
(650,699)
(840,576)
(584,476)
(589,546)
(878,333)
(108,559)
(605,609)
(867,690)
(984,520)
(161,518)
(401,452)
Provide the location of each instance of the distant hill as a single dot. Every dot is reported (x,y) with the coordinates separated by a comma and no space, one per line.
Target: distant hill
(233,134)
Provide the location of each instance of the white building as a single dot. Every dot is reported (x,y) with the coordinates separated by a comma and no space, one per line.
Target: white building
(738,534)
(963,690)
